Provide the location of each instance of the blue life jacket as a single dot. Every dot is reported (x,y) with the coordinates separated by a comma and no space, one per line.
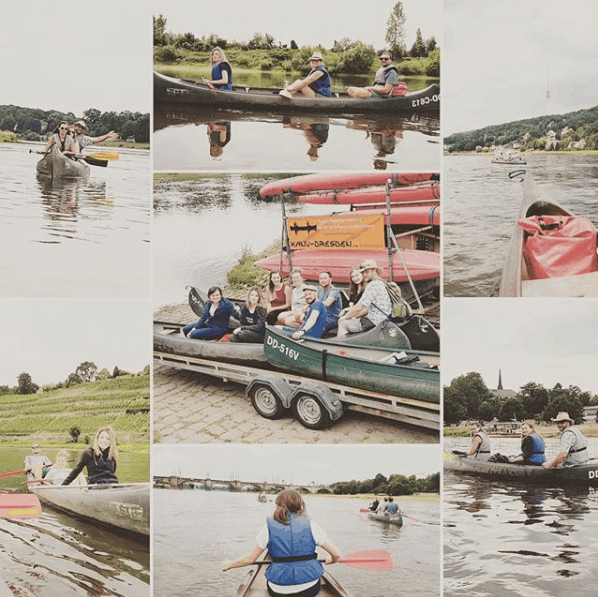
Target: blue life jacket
(293,551)
(321,85)
(537,455)
(392,508)
(217,75)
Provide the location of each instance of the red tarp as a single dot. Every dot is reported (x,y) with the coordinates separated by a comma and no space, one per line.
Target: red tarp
(559,246)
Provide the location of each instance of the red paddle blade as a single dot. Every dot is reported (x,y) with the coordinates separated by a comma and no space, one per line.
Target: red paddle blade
(12,473)
(370,559)
(19,505)
(364,509)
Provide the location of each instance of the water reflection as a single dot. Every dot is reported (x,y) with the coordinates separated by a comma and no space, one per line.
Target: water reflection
(218,135)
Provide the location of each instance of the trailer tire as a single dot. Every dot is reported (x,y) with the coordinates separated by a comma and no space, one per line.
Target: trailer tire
(266,402)
(309,411)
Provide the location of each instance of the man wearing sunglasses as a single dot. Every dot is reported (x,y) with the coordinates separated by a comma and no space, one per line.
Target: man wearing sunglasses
(36,464)
(386,78)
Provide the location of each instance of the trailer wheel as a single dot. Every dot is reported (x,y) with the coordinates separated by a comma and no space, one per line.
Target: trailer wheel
(266,402)
(310,412)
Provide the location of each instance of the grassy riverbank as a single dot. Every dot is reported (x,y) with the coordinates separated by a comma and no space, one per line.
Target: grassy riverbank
(545,430)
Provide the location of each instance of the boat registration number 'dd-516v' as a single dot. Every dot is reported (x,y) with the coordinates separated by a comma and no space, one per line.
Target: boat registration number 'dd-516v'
(424,101)
(283,348)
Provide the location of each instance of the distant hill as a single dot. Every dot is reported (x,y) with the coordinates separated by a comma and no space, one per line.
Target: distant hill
(122,402)
(573,131)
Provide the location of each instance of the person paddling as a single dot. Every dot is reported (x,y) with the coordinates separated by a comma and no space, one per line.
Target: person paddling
(291,539)
(480,443)
(573,446)
(61,139)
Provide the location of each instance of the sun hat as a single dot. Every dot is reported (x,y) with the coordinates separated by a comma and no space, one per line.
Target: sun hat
(563,416)
(310,287)
(369,264)
(316,56)
(81,123)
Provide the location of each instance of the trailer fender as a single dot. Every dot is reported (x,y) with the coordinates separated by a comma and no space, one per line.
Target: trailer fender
(270,395)
(315,405)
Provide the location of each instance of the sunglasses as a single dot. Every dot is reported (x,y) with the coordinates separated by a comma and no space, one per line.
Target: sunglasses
(384,57)
(34,447)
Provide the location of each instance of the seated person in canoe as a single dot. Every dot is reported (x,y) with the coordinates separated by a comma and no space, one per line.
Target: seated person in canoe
(100,460)
(219,134)
(532,446)
(480,442)
(573,447)
(84,140)
(291,538)
(294,317)
(374,505)
(252,326)
(61,470)
(331,297)
(62,140)
(314,323)
(390,508)
(356,288)
(37,464)
(222,73)
(385,80)
(317,82)
(278,295)
(372,308)
(215,320)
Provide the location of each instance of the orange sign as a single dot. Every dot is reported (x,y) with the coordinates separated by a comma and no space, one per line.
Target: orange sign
(343,231)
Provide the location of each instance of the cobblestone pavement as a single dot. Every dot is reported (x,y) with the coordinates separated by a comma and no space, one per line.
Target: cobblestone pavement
(195,408)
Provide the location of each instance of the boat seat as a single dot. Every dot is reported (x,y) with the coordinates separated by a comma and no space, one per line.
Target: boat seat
(582,285)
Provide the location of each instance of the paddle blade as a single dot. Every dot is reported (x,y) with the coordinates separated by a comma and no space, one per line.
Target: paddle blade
(415,520)
(95,161)
(12,473)
(19,505)
(105,155)
(371,559)
(364,509)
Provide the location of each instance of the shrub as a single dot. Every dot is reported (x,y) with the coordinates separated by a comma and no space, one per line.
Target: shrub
(166,54)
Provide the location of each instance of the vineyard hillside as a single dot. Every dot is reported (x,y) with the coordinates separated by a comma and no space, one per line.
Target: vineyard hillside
(122,402)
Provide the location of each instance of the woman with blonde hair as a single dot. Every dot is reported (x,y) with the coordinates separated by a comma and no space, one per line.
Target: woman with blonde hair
(222,73)
(100,459)
(252,326)
(291,539)
(532,446)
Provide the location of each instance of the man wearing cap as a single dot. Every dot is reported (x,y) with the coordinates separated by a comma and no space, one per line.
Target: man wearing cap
(84,141)
(331,297)
(314,323)
(573,447)
(373,307)
(317,81)
(385,80)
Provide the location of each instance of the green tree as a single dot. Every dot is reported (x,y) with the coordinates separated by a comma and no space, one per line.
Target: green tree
(395,29)
(470,391)
(72,380)
(534,398)
(160,31)
(86,371)
(25,384)
(418,49)
(75,432)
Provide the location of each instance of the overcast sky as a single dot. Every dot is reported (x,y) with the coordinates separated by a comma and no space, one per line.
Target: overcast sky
(499,59)
(309,23)
(71,55)
(547,341)
(295,464)
(50,338)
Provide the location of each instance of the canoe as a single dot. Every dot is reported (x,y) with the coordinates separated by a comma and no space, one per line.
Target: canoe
(585,474)
(548,264)
(367,368)
(419,192)
(254,584)
(19,505)
(387,518)
(122,507)
(337,182)
(422,265)
(179,91)
(508,157)
(56,165)
(262,498)
(406,215)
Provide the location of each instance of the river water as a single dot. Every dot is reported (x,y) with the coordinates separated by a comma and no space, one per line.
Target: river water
(506,539)
(201,227)
(74,237)
(57,554)
(481,207)
(195,530)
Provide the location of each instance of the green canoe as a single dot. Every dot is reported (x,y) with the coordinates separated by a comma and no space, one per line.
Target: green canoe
(387,518)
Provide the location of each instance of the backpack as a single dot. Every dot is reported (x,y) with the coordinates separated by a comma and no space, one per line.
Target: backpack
(400,308)
(399,90)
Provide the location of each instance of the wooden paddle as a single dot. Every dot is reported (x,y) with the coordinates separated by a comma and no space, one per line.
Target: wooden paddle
(19,505)
(368,559)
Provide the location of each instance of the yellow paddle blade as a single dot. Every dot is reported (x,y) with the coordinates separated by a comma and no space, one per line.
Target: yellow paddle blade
(104,155)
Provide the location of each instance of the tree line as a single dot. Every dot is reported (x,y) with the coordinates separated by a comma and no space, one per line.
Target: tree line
(265,53)
(393,485)
(34,124)
(534,133)
(468,397)
(86,372)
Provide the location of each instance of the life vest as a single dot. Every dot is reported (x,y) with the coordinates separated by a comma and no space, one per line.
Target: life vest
(578,454)
(293,551)
(483,452)
(217,70)
(321,85)
(382,75)
(66,146)
(391,508)
(537,454)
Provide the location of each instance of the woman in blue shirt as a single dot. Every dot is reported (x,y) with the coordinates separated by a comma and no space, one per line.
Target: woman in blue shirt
(215,320)
(222,73)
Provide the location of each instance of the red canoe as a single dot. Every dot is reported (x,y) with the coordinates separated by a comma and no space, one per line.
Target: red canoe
(420,192)
(19,505)
(335,182)
(422,265)
(407,215)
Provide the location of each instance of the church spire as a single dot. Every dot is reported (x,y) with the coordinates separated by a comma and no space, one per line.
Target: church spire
(499,380)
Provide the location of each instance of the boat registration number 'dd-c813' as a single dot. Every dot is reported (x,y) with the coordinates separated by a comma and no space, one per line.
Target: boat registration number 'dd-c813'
(424,101)
(282,348)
